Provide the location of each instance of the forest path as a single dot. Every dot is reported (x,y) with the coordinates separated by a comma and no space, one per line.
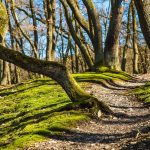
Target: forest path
(129,130)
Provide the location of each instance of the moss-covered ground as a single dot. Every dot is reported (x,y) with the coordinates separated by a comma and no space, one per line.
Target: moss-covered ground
(29,111)
(143,93)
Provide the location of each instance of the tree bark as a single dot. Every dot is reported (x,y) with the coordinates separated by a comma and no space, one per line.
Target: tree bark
(32,8)
(111,43)
(124,59)
(135,41)
(143,10)
(49,7)
(6,74)
(97,42)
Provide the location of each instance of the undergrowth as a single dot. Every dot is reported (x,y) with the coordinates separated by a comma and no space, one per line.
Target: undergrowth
(143,93)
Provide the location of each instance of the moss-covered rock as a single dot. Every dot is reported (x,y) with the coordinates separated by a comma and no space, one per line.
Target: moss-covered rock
(3,22)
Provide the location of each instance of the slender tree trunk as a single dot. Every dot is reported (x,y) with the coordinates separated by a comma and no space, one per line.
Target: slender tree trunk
(6,74)
(49,7)
(124,59)
(77,58)
(34,24)
(72,60)
(135,41)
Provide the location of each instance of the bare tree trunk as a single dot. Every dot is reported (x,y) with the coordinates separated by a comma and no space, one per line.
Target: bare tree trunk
(124,59)
(143,10)
(6,74)
(97,43)
(135,41)
(111,43)
(34,24)
(77,58)
(49,7)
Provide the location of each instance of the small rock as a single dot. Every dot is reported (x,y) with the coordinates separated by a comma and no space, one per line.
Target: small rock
(99,114)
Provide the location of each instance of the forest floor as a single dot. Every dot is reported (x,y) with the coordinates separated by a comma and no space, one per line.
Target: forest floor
(128,130)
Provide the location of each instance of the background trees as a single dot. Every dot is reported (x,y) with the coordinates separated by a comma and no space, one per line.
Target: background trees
(79,34)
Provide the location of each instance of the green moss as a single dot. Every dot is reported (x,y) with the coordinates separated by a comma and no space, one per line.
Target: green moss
(103,69)
(143,93)
(28,113)
(104,76)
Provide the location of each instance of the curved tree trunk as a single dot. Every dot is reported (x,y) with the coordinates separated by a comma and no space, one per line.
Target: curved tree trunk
(57,72)
(143,10)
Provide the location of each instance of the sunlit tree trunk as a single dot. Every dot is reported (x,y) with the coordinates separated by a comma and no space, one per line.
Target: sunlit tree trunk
(135,41)
(49,7)
(128,37)
(143,10)
(111,43)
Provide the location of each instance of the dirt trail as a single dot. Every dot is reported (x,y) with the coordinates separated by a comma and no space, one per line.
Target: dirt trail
(126,131)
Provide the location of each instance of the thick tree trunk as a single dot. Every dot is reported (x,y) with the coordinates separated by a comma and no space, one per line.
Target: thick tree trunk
(96,25)
(111,43)
(143,10)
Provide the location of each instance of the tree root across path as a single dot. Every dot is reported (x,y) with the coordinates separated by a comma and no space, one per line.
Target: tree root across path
(128,127)
(91,105)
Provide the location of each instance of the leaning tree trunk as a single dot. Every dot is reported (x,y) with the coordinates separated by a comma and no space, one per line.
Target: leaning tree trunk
(111,44)
(143,10)
(57,72)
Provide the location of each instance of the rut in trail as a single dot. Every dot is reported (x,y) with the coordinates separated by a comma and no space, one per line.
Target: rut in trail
(126,131)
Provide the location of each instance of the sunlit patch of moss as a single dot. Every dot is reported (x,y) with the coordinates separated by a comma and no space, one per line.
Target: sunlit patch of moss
(103,69)
(143,93)
(28,113)
(105,76)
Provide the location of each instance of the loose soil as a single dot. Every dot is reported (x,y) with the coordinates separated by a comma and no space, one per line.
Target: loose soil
(127,130)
